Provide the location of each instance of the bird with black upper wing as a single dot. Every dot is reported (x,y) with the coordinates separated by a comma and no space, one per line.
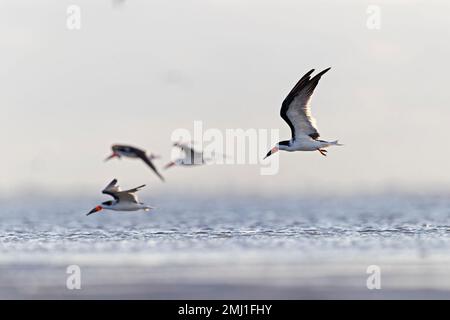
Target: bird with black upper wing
(119,150)
(125,200)
(296,111)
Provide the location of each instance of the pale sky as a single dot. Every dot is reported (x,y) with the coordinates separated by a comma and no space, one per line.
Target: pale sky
(136,72)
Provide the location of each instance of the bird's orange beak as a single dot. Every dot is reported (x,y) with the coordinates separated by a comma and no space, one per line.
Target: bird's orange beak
(113,156)
(272,151)
(170,164)
(96,209)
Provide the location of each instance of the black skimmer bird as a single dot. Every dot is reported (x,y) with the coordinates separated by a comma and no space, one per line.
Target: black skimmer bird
(123,200)
(191,157)
(296,111)
(134,153)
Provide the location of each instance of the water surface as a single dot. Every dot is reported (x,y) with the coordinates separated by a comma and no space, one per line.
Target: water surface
(228,247)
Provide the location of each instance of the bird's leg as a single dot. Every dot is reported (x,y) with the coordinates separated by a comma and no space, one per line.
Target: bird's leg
(323,152)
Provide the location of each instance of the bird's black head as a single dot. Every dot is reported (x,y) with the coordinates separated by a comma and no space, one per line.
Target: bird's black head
(285,143)
(279,146)
(116,151)
(107,203)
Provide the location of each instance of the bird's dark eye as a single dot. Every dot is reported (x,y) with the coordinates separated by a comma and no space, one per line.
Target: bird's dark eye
(107,203)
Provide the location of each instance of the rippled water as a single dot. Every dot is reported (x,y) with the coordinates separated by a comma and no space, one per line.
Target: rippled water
(230,242)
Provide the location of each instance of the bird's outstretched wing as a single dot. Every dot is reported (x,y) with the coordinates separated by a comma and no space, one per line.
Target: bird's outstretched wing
(133,190)
(116,192)
(296,110)
(191,156)
(112,189)
(143,156)
(129,195)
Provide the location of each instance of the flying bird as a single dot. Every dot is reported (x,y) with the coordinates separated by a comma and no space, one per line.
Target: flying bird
(296,111)
(134,153)
(123,200)
(191,157)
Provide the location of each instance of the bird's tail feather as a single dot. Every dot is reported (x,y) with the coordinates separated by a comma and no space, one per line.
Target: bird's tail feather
(335,143)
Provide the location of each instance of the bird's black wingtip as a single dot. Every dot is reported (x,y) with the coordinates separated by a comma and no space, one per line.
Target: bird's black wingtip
(324,71)
(321,73)
(308,74)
